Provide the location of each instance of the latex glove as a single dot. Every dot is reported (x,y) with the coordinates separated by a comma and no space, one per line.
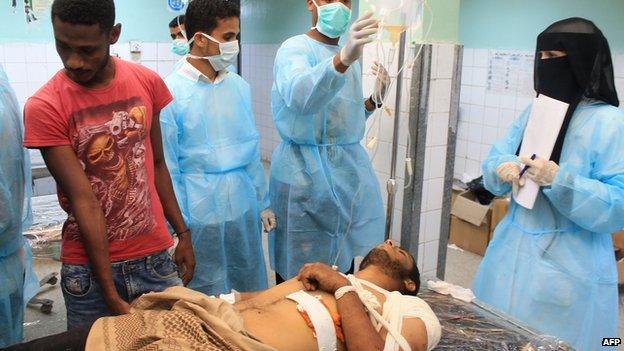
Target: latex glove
(509,172)
(269,221)
(359,35)
(541,170)
(381,83)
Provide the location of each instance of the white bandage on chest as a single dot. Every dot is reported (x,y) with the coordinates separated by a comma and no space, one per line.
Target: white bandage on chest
(320,317)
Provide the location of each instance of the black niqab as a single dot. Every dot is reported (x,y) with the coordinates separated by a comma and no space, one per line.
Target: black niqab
(586,71)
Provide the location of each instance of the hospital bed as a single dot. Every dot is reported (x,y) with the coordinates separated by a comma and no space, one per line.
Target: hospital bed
(478,327)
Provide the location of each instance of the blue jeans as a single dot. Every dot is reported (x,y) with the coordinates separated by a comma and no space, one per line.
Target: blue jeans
(83,295)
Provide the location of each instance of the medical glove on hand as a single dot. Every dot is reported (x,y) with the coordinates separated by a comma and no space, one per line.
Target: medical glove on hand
(269,221)
(359,35)
(509,172)
(381,83)
(541,171)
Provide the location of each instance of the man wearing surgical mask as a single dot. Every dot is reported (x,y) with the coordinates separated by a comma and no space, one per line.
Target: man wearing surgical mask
(212,148)
(180,45)
(323,188)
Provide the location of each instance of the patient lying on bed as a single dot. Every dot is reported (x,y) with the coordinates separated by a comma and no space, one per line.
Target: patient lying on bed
(318,310)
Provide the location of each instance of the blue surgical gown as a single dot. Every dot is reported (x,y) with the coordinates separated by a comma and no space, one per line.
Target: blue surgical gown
(211,149)
(553,267)
(322,183)
(12,189)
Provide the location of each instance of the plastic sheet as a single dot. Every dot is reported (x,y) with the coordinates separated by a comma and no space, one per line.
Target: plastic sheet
(44,235)
(474,327)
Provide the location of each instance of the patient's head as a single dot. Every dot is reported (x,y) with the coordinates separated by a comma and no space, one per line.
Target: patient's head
(395,263)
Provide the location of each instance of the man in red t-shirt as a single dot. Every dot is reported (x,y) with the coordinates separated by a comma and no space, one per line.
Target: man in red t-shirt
(97,125)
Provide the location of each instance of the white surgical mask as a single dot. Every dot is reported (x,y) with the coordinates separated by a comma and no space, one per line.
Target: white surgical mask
(229,51)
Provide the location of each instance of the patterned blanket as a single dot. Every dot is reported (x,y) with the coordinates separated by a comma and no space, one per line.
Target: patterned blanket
(176,319)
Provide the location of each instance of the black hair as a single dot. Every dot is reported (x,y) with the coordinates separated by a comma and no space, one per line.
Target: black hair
(177,21)
(414,274)
(86,12)
(202,15)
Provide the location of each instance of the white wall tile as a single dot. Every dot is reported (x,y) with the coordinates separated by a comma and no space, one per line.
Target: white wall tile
(485,150)
(490,116)
(442,100)
(435,193)
(21,92)
(51,54)
(480,77)
(383,156)
(14,53)
(16,72)
(468,57)
(474,133)
(489,134)
(492,99)
(165,68)
(35,53)
(433,220)
(474,150)
(52,68)
(431,255)
(163,52)
(437,129)
(478,96)
(476,114)
(438,162)
(421,256)
(459,167)
(481,58)
(467,75)
(508,101)
(149,51)
(446,61)
(461,148)
(473,168)
(36,73)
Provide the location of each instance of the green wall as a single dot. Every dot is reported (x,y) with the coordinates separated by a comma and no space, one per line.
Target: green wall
(263,21)
(273,21)
(515,24)
(440,18)
(145,20)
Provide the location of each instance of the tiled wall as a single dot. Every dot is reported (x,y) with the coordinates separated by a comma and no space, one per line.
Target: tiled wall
(439,107)
(485,115)
(258,60)
(438,126)
(29,65)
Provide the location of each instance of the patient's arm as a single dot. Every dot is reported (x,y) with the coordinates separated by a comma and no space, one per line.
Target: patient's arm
(360,334)
(356,325)
(414,332)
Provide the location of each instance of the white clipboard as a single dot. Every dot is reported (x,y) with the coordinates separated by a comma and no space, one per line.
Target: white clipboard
(540,136)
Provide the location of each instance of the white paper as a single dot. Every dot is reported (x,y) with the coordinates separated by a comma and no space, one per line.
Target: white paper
(540,136)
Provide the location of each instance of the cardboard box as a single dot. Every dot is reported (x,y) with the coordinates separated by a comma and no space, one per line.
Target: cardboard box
(468,236)
(499,211)
(468,208)
(470,224)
